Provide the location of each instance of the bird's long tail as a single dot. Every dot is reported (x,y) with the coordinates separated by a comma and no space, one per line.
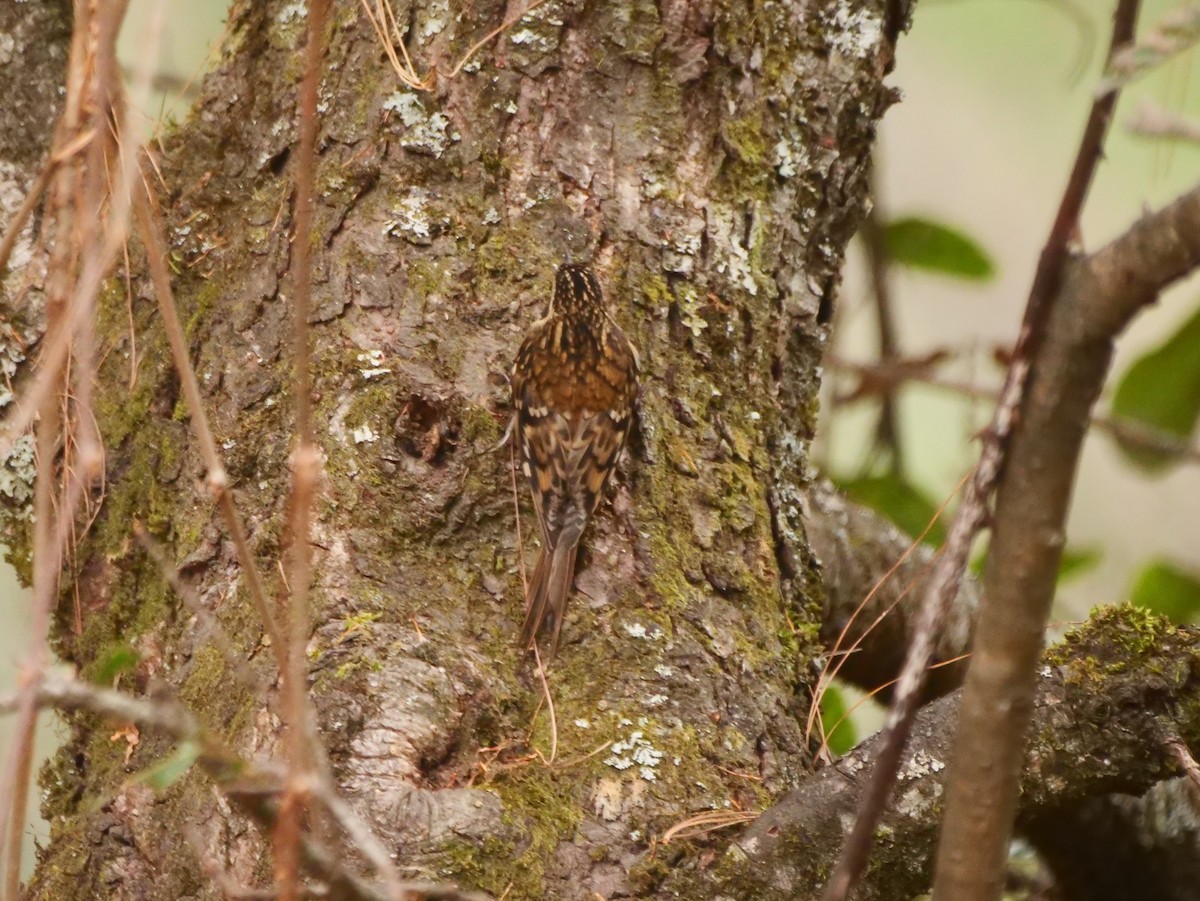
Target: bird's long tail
(546,602)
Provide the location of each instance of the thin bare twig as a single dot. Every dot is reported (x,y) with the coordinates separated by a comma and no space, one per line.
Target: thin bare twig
(541,670)
(826,678)
(306,469)
(212,627)
(887,429)
(1068,356)
(383,23)
(32,198)
(68,325)
(972,512)
(706,822)
(151,234)
(1129,431)
(253,788)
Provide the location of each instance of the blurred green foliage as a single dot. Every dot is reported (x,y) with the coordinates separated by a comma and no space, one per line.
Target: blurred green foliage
(1166,588)
(1161,391)
(920,243)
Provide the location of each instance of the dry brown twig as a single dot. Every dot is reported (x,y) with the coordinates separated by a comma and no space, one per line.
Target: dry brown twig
(972,512)
(89,249)
(383,21)
(706,822)
(306,470)
(1153,121)
(150,232)
(826,677)
(116,175)
(254,788)
(1128,431)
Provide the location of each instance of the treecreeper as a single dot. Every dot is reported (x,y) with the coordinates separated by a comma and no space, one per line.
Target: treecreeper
(574,384)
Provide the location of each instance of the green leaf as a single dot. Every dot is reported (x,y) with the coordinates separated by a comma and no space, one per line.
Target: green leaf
(114,660)
(833,708)
(924,244)
(167,772)
(1077,561)
(901,502)
(1166,588)
(1161,392)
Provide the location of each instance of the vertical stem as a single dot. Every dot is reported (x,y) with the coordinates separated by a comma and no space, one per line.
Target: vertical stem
(970,517)
(305,473)
(1067,368)
(887,430)
(19,763)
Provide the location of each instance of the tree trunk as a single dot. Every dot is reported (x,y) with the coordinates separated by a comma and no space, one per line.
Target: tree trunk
(712,161)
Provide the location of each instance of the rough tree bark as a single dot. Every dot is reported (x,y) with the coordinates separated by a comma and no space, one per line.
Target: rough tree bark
(712,160)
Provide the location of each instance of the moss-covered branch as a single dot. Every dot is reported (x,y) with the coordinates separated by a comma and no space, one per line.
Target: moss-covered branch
(1110,695)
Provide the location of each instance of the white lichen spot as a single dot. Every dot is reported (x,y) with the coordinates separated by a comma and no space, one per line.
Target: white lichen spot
(635,835)
(665,671)
(636,750)
(641,631)
(582,724)
(410,219)
(689,302)
(423,132)
(363,435)
(12,355)
(374,364)
(491,216)
(511,107)
(291,12)
(17,471)
(737,265)
(655,700)
(437,13)
(688,243)
(855,31)
(525,36)
(652,187)
(537,30)
(790,157)
(12,193)
(914,802)
(919,765)
(785,162)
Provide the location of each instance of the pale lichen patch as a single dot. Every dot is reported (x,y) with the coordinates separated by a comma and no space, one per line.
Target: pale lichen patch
(636,750)
(855,31)
(17,471)
(920,765)
(424,132)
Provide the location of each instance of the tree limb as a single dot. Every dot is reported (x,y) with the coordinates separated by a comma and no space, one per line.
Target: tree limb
(1106,696)
(1099,295)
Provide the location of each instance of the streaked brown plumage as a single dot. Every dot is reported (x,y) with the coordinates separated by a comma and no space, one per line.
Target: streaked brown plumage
(574,387)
